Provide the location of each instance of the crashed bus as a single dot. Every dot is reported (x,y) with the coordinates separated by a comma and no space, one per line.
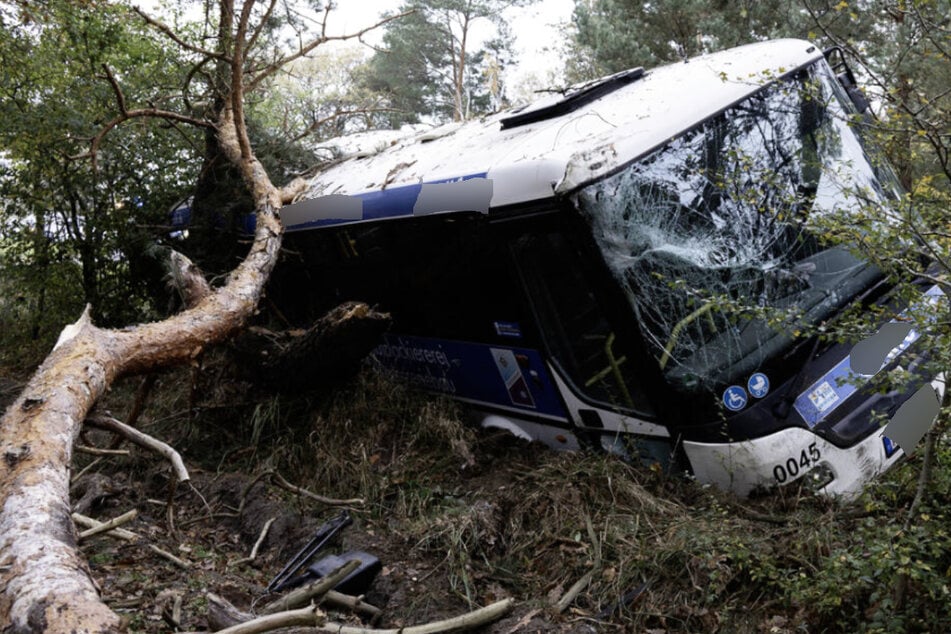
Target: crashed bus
(565,268)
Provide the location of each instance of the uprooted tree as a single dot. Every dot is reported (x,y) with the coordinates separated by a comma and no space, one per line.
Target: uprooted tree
(44,583)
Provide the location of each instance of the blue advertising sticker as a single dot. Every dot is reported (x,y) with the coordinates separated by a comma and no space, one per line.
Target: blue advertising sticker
(510,377)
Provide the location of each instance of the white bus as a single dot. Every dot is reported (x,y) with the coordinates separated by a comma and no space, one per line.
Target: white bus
(565,268)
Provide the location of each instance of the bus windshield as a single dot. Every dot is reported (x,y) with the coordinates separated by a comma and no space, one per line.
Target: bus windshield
(718,217)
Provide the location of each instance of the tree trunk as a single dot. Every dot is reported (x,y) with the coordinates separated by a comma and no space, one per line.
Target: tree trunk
(44,584)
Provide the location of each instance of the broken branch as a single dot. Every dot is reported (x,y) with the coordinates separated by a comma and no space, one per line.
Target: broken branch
(143,440)
(89,522)
(115,522)
(181,563)
(284,484)
(96,451)
(302,596)
(573,592)
(468,621)
(309,616)
(356,604)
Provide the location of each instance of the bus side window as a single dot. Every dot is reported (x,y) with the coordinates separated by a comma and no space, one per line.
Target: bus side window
(574,325)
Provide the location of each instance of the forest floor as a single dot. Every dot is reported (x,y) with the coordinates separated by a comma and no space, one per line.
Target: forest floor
(460,519)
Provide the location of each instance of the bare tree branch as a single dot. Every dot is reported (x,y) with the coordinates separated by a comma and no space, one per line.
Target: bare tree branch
(143,440)
(304,49)
(168,32)
(125,114)
(263,22)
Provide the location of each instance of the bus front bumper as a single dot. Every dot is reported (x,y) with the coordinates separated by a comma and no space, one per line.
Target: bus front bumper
(795,454)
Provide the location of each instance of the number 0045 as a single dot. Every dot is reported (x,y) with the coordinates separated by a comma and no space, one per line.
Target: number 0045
(794,466)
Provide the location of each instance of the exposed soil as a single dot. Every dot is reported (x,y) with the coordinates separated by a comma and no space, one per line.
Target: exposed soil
(413,586)
(458,519)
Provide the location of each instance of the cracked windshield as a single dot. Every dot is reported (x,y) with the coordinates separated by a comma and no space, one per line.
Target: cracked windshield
(711,228)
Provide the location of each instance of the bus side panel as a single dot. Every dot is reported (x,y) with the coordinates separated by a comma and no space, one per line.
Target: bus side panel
(514,379)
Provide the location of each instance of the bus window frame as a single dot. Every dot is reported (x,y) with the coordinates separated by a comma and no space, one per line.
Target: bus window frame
(565,220)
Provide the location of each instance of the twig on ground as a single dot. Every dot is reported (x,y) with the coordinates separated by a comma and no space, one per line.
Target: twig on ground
(170,508)
(143,440)
(568,597)
(309,616)
(247,491)
(96,451)
(170,603)
(119,533)
(257,544)
(127,603)
(84,471)
(181,563)
(104,527)
(284,484)
(468,621)
(525,620)
(356,604)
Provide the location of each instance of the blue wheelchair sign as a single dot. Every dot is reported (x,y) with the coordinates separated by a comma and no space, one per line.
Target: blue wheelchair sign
(734,397)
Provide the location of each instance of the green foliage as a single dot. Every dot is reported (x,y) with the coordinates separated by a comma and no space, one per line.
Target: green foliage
(613,35)
(429,67)
(313,100)
(73,234)
(900,49)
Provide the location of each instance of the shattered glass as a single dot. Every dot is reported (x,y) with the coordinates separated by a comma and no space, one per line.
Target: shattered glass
(717,219)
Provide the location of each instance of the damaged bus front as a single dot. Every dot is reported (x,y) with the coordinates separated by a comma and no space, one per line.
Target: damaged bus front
(641,277)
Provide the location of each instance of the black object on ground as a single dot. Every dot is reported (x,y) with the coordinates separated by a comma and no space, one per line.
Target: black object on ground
(320,539)
(357,582)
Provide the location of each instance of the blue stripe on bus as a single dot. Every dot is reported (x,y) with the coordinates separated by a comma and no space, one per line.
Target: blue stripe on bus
(393,202)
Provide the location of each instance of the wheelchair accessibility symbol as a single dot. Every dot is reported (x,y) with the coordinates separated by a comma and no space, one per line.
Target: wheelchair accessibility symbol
(734,397)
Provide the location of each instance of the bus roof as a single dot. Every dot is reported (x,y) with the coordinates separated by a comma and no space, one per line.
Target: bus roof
(553,154)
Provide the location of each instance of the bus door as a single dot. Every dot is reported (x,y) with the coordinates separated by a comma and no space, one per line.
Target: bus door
(599,380)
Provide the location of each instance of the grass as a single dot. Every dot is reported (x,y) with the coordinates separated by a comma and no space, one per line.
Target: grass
(483,516)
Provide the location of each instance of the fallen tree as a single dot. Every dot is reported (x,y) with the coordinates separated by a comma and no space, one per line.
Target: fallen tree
(45,586)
